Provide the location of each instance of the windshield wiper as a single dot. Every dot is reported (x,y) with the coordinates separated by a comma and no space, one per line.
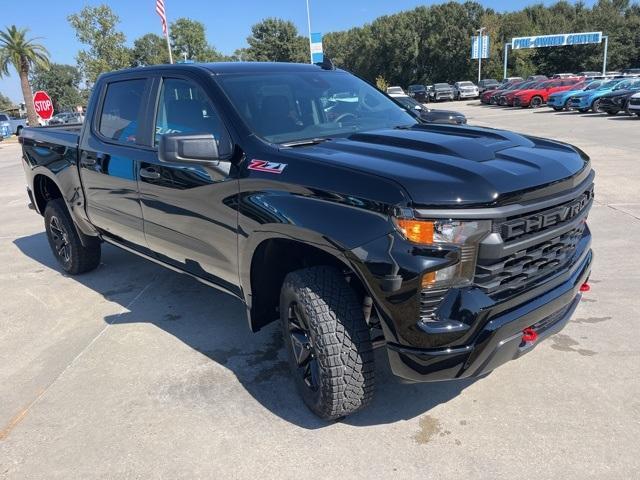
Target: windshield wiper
(306,141)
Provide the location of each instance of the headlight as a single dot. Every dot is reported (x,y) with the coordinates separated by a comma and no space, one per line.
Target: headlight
(465,235)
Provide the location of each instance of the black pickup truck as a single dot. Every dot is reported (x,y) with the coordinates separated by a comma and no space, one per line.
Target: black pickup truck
(351,222)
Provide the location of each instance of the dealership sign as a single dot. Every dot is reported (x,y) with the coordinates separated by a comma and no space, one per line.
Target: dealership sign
(559,40)
(316,48)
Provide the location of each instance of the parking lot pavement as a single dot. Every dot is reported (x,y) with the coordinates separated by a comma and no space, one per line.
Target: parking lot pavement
(133,371)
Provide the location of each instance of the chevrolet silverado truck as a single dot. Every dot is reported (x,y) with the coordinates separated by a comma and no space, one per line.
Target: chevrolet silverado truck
(351,223)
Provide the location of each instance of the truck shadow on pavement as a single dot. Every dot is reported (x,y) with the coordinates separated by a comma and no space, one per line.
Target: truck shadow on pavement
(213,324)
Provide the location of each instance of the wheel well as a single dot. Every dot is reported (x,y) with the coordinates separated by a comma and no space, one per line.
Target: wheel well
(272,261)
(45,189)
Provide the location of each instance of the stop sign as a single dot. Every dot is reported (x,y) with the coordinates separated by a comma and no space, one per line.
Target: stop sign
(43,104)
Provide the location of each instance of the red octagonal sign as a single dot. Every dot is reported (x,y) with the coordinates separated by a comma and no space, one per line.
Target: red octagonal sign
(43,104)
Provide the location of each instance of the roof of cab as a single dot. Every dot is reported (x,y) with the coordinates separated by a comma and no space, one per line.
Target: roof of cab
(258,67)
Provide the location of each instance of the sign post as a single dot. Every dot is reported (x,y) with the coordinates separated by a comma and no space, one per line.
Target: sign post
(43,104)
(480,49)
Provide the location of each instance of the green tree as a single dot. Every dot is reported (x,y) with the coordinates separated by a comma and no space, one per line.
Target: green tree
(96,28)
(62,83)
(150,49)
(23,54)
(188,37)
(5,103)
(276,40)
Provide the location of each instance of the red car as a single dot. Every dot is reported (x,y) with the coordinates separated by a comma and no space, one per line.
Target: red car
(490,96)
(505,99)
(535,97)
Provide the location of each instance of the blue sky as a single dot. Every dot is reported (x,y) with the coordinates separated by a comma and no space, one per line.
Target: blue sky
(228,22)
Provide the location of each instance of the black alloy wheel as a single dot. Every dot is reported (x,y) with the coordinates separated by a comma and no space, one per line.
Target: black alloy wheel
(302,348)
(60,240)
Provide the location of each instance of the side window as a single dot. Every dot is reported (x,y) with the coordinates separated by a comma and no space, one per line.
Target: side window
(184,108)
(121,110)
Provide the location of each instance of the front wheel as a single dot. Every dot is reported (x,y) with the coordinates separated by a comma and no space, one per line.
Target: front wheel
(595,106)
(65,243)
(330,350)
(536,102)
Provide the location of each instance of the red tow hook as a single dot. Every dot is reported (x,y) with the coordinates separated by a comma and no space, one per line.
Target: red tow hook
(529,335)
(585,287)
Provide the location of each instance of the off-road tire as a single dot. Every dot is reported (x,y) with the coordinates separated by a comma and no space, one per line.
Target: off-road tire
(77,258)
(339,340)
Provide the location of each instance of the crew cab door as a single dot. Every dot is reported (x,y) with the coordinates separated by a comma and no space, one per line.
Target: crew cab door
(189,210)
(111,148)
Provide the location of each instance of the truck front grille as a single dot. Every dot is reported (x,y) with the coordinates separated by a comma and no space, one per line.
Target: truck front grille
(528,265)
(531,247)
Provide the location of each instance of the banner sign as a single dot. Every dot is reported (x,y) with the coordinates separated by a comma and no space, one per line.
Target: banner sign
(559,40)
(479,47)
(316,48)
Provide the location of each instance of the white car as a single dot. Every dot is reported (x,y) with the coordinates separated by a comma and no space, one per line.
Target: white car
(465,90)
(634,104)
(395,90)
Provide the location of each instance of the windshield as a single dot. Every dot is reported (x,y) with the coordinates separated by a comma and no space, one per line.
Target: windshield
(416,88)
(441,85)
(291,106)
(466,84)
(593,85)
(623,85)
(609,84)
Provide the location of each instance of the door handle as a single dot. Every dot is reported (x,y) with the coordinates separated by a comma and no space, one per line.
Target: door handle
(149,173)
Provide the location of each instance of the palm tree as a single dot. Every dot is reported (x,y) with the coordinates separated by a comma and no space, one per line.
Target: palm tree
(23,54)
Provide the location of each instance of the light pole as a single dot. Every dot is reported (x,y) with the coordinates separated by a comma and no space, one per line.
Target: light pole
(309,26)
(480,52)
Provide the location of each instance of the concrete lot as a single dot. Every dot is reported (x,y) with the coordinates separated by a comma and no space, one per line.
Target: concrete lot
(133,371)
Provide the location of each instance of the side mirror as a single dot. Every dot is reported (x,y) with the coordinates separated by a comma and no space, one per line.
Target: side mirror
(198,148)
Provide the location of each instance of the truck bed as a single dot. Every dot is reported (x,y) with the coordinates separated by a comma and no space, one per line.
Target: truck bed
(61,135)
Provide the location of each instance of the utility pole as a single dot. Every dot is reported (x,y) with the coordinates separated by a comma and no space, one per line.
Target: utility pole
(480,52)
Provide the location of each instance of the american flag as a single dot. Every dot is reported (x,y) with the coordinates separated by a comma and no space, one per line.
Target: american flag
(163,16)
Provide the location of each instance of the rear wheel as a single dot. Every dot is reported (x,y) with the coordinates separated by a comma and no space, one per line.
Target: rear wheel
(330,350)
(536,102)
(65,243)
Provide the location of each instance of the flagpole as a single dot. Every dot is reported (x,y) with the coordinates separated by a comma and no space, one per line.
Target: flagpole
(166,35)
(309,25)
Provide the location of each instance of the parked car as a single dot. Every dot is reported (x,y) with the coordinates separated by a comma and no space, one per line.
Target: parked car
(537,77)
(66,118)
(419,92)
(395,90)
(427,114)
(631,71)
(456,249)
(491,96)
(560,100)
(466,89)
(537,96)
(505,99)
(15,124)
(617,100)
(487,84)
(634,104)
(590,100)
(512,79)
(442,91)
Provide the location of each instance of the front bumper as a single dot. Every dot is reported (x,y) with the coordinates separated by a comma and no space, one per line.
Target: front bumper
(444,96)
(500,340)
(579,103)
(468,94)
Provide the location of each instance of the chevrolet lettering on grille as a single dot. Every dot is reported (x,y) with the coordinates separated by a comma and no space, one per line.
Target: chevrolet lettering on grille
(545,219)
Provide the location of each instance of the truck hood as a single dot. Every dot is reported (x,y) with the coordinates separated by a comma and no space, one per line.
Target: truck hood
(452,165)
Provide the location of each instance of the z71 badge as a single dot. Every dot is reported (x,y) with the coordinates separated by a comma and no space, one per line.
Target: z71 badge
(264,166)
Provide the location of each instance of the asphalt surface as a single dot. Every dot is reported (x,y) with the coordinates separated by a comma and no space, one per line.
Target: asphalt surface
(133,371)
